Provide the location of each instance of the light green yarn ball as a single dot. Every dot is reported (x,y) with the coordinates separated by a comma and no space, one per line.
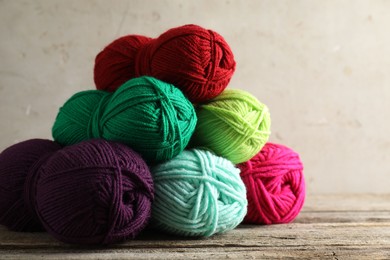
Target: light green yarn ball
(198,194)
(234,125)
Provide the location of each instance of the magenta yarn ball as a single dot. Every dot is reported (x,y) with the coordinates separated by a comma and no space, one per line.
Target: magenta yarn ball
(275,185)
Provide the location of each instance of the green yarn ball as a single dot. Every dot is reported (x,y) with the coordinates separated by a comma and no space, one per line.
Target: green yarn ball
(149,115)
(234,125)
(198,194)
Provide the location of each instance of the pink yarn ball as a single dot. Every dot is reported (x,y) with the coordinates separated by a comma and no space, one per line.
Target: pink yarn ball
(275,185)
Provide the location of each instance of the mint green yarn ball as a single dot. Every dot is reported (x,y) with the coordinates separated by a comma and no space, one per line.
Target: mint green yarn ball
(198,194)
(234,125)
(149,115)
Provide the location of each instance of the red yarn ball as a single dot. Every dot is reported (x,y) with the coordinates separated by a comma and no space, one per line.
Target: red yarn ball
(116,63)
(275,185)
(196,60)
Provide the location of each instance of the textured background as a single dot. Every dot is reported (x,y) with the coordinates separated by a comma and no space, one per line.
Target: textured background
(322,67)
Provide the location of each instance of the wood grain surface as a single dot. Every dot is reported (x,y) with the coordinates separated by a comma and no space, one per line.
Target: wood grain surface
(329,227)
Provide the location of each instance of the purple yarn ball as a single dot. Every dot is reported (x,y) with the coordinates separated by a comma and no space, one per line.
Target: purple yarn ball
(94,192)
(15,164)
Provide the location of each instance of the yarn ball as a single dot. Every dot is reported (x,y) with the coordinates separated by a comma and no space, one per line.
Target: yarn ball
(234,125)
(275,185)
(115,64)
(196,60)
(198,194)
(16,162)
(149,115)
(94,192)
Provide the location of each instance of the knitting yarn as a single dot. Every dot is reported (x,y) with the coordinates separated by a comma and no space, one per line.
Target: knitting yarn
(198,194)
(151,116)
(196,60)
(95,192)
(234,125)
(275,185)
(116,63)
(15,164)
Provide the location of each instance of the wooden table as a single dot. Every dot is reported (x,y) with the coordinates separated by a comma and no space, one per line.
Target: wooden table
(329,227)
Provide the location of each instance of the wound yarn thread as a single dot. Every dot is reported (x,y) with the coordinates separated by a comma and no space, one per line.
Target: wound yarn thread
(94,192)
(234,125)
(196,60)
(198,194)
(116,63)
(275,185)
(15,163)
(152,117)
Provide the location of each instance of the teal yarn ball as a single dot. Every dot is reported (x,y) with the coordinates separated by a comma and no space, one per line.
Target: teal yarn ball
(198,194)
(151,116)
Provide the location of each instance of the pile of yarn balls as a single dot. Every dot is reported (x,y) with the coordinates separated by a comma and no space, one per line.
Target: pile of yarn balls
(160,144)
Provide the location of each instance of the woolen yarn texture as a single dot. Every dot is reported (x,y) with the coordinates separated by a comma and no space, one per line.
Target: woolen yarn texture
(275,185)
(94,192)
(234,125)
(198,194)
(16,163)
(196,60)
(151,116)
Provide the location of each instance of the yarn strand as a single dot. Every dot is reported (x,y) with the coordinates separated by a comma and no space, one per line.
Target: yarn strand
(151,116)
(275,185)
(196,60)
(198,194)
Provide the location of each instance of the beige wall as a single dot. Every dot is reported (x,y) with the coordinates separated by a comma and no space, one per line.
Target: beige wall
(323,68)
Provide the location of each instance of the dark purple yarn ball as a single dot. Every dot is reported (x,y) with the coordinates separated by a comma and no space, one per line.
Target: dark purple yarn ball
(94,192)
(16,163)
